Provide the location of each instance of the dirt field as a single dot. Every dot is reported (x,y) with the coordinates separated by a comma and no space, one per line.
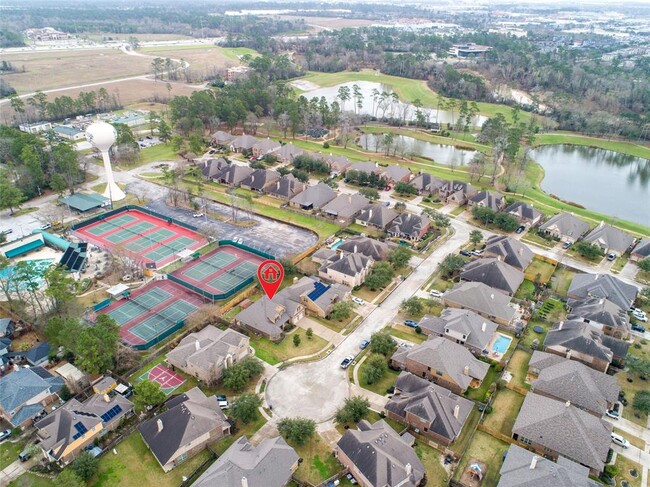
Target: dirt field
(331,22)
(199,57)
(57,69)
(141,37)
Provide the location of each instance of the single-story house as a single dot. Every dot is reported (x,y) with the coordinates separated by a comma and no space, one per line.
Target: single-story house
(483,300)
(585,343)
(345,206)
(243,143)
(191,422)
(461,326)
(457,192)
(603,286)
(367,246)
(221,138)
(569,380)
(213,168)
(367,167)
(494,273)
(641,250)
(397,174)
(522,468)
(610,239)
(565,226)
(103,386)
(25,393)
(409,226)
(488,199)
(234,174)
(260,179)
(427,184)
(205,354)
(285,188)
(509,250)
(610,318)
(269,318)
(442,361)
(525,213)
(429,408)
(348,269)
(65,432)
(338,164)
(265,146)
(269,464)
(377,456)
(553,428)
(313,198)
(377,216)
(288,152)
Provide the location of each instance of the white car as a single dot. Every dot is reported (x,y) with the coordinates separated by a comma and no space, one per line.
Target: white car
(359,301)
(640,315)
(620,441)
(435,293)
(198,215)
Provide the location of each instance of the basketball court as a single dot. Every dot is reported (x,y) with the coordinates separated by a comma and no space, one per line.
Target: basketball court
(169,381)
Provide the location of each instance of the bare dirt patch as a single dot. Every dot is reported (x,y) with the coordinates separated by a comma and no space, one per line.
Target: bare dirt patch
(332,22)
(200,58)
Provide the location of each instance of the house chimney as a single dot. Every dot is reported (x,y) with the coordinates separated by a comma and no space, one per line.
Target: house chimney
(567,404)
(106,398)
(559,328)
(456,411)
(160,425)
(568,354)
(197,345)
(483,326)
(408,469)
(355,249)
(341,256)
(376,164)
(370,214)
(533,462)
(492,296)
(244,482)
(466,370)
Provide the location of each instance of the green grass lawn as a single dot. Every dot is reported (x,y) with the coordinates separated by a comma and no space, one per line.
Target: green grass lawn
(488,450)
(135,466)
(247,430)
(430,457)
(518,367)
(24,211)
(505,409)
(159,152)
(630,389)
(533,238)
(9,452)
(619,263)
(462,442)
(544,269)
(319,462)
(626,465)
(407,333)
(458,210)
(479,394)
(434,139)
(274,353)
(335,325)
(367,294)
(31,480)
(526,290)
(372,418)
(630,148)
(384,383)
(561,280)
(638,442)
(529,335)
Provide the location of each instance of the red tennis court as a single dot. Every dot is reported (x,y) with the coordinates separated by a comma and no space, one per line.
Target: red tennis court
(151,240)
(168,380)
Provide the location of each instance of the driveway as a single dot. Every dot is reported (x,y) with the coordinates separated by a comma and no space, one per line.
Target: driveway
(317,389)
(11,472)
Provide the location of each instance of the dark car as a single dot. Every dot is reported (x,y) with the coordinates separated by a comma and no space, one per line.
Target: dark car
(411,323)
(637,327)
(466,253)
(520,229)
(566,245)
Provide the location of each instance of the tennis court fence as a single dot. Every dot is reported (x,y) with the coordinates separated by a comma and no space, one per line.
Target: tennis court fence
(123,209)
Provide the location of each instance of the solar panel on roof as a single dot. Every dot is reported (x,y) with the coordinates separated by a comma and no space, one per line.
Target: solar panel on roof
(81,430)
(111,413)
(319,290)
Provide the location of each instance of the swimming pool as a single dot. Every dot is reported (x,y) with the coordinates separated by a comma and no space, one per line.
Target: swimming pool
(336,245)
(501,344)
(40,265)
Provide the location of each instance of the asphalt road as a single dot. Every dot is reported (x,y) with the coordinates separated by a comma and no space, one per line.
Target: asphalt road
(315,390)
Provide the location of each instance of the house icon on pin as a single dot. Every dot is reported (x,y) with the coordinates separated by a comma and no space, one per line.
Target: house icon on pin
(270,274)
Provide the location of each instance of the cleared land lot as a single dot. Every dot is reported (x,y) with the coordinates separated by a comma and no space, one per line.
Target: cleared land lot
(58,69)
(331,22)
(200,56)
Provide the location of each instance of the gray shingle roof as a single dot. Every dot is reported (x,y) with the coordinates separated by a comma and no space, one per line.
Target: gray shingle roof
(338,163)
(566,224)
(524,211)
(608,237)
(516,471)
(266,146)
(222,138)
(244,142)
(509,250)
(377,215)
(599,310)
(395,173)
(19,387)
(494,273)
(409,225)
(433,404)
(266,465)
(565,429)
(367,167)
(303,289)
(346,205)
(259,178)
(427,183)
(448,357)
(289,151)
(482,299)
(488,199)
(315,196)
(188,417)
(477,329)
(381,455)
(235,174)
(642,249)
(287,186)
(213,168)
(367,246)
(584,338)
(348,264)
(603,286)
(568,380)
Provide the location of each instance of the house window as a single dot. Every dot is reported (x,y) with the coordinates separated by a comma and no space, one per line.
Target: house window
(429,369)
(181,458)
(525,440)
(439,372)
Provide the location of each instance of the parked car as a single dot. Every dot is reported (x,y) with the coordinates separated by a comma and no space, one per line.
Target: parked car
(198,214)
(520,229)
(640,315)
(347,361)
(466,253)
(364,344)
(411,323)
(45,226)
(611,257)
(386,203)
(212,151)
(223,401)
(7,231)
(612,414)
(435,293)
(566,245)
(359,301)
(620,441)
(4,435)
(26,454)
(477,252)
(352,480)
(637,327)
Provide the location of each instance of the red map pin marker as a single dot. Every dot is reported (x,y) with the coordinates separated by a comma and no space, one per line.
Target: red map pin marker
(270,274)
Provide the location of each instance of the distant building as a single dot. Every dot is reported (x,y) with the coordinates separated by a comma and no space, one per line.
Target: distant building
(468,50)
(610,239)
(238,72)
(69,132)
(47,34)
(35,128)
(347,269)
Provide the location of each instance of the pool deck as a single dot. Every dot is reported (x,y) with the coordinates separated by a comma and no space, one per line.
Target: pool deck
(494,355)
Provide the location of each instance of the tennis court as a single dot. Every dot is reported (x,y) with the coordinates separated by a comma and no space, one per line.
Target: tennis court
(221,270)
(153,312)
(169,381)
(147,238)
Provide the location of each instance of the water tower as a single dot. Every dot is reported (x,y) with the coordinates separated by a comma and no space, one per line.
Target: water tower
(102,135)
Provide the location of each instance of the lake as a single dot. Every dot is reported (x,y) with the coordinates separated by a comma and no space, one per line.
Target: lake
(601,180)
(440,153)
(388,107)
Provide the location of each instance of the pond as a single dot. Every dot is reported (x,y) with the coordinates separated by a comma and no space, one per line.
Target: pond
(440,153)
(384,105)
(601,180)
